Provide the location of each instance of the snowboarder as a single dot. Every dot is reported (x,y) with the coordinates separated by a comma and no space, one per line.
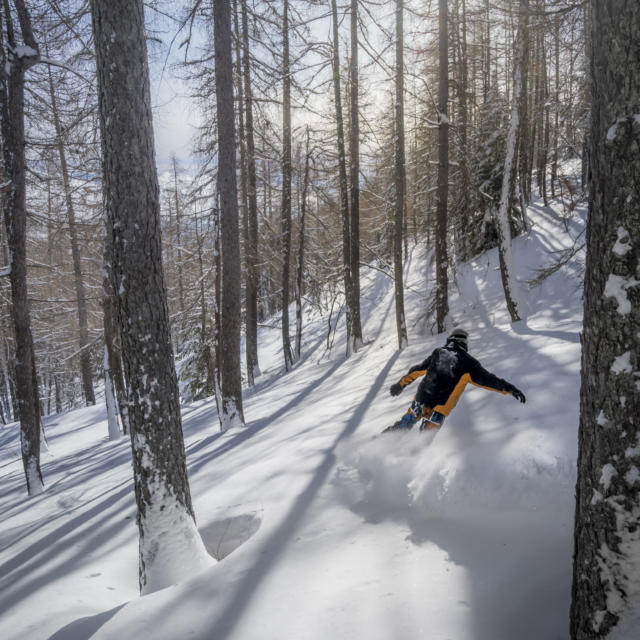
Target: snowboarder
(446,373)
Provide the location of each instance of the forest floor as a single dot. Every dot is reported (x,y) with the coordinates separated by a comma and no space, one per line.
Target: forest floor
(321,530)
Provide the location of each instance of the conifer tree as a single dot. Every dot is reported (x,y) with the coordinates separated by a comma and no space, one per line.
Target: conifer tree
(170,546)
(17,58)
(606,565)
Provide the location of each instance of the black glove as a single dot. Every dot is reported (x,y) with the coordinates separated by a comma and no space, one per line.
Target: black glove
(396,389)
(518,395)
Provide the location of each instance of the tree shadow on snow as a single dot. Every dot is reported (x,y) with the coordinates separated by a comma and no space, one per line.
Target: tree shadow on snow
(84,628)
(255,427)
(522,328)
(49,557)
(281,537)
(517,572)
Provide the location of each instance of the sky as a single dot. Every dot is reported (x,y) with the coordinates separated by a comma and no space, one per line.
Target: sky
(174,121)
(175,117)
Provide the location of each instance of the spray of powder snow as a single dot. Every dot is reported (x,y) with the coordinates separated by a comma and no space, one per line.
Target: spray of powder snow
(424,471)
(379,472)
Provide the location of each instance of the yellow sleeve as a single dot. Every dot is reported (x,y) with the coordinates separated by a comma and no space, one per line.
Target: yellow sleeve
(410,377)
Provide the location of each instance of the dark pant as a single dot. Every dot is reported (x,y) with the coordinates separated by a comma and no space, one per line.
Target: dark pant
(415,412)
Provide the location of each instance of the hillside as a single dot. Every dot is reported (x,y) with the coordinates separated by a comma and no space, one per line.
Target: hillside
(323,531)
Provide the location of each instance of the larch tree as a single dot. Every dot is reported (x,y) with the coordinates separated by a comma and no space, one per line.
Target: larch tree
(464,187)
(17,58)
(171,548)
(442,261)
(606,565)
(505,255)
(81,297)
(400,179)
(354,179)
(230,309)
(343,184)
(301,244)
(285,217)
(251,227)
(113,382)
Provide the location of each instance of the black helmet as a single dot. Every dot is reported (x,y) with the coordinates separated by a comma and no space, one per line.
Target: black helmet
(460,336)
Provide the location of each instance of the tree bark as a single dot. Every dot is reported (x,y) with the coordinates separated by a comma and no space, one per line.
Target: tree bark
(285,218)
(12,77)
(230,376)
(400,179)
(342,176)
(110,399)
(81,298)
(300,270)
(6,331)
(464,200)
(176,199)
(524,141)
(354,177)
(112,336)
(606,564)
(486,58)
(510,170)
(442,262)
(556,108)
(216,314)
(132,208)
(543,145)
(251,242)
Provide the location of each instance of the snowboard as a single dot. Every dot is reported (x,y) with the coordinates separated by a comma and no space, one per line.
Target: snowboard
(425,426)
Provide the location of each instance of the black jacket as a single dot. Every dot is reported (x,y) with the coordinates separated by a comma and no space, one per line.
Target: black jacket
(446,373)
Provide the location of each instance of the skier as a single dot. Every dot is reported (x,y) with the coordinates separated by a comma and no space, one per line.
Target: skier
(446,373)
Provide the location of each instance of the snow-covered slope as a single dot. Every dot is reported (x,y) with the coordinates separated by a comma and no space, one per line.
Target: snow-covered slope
(322,530)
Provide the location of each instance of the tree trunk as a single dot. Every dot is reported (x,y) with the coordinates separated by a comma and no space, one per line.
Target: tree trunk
(112,336)
(110,400)
(81,299)
(181,302)
(510,169)
(242,147)
(464,201)
(442,263)
(606,566)
(354,151)
(5,312)
(205,355)
(59,405)
(541,115)
(486,58)
(556,108)
(523,142)
(543,148)
(285,237)
(5,387)
(400,179)
(300,270)
(216,313)
(132,208)
(14,66)
(251,243)
(230,311)
(342,177)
